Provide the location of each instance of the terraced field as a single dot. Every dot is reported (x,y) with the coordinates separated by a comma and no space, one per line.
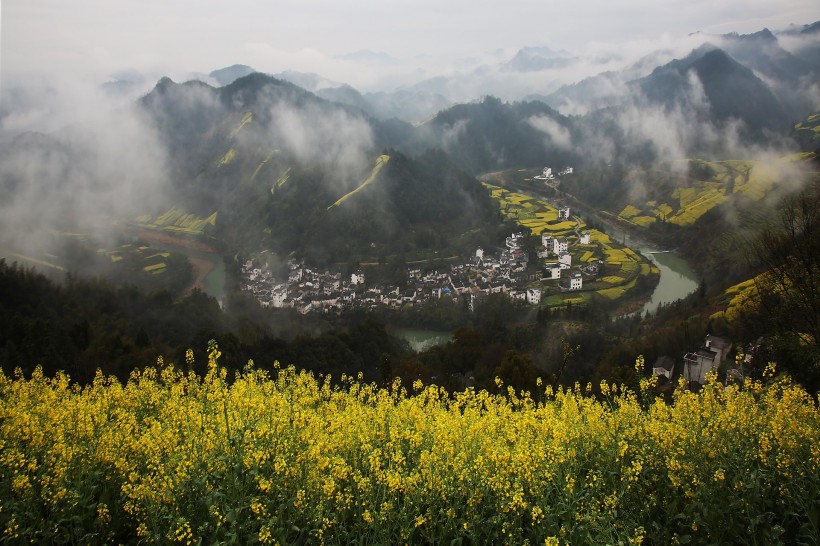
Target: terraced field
(176,220)
(534,214)
(621,265)
(686,203)
(381,161)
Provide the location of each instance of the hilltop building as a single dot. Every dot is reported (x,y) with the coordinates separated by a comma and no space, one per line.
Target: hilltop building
(697,364)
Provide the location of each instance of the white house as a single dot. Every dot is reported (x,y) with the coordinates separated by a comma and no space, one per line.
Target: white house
(546,241)
(696,365)
(552,270)
(479,253)
(278,297)
(514,241)
(519,295)
(664,366)
(565,260)
(563,213)
(719,345)
(560,246)
(576,282)
(699,363)
(533,296)
(585,238)
(546,174)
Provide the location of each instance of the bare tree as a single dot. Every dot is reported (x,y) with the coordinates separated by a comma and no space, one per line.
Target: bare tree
(790,252)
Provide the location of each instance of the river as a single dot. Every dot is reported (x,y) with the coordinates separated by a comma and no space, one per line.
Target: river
(208,268)
(676,282)
(421,340)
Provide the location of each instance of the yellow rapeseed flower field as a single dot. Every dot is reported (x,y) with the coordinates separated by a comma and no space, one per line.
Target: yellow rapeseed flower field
(285,457)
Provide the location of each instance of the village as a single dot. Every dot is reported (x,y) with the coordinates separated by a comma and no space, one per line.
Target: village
(509,272)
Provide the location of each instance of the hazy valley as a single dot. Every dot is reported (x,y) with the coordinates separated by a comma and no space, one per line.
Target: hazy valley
(411,274)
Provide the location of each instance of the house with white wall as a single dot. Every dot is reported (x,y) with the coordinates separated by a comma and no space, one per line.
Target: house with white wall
(576,281)
(514,241)
(533,296)
(585,238)
(552,270)
(546,241)
(664,366)
(697,364)
(565,260)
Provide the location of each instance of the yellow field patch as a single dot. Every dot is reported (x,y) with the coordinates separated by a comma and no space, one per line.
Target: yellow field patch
(229,156)
(380,162)
(155,267)
(663,210)
(643,221)
(37,261)
(599,237)
(247,118)
(629,211)
(178,221)
(612,293)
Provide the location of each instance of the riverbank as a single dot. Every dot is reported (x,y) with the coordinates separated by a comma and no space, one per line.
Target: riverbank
(677,278)
(207,264)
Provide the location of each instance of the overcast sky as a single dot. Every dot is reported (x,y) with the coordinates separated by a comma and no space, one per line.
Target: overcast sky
(100,38)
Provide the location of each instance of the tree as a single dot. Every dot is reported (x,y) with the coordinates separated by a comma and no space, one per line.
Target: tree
(789,288)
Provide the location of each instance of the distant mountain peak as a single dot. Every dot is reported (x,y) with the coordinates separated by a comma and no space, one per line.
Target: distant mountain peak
(533,59)
(762,35)
(163,84)
(229,74)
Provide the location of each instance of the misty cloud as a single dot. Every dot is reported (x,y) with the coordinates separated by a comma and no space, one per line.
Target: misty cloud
(108,163)
(556,134)
(342,143)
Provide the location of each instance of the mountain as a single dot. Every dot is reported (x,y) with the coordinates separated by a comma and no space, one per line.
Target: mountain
(290,171)
(345,94)
(602,90)
(730,91)
(227,75)
(532,59)
(491,135)
(410,105)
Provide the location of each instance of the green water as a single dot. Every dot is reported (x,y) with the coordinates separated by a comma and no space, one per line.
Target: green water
(677,280)
(214,282)
(421,340)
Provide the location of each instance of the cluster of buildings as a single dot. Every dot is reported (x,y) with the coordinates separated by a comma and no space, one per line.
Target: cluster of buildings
(547,175)
(508,272)
(707,358)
